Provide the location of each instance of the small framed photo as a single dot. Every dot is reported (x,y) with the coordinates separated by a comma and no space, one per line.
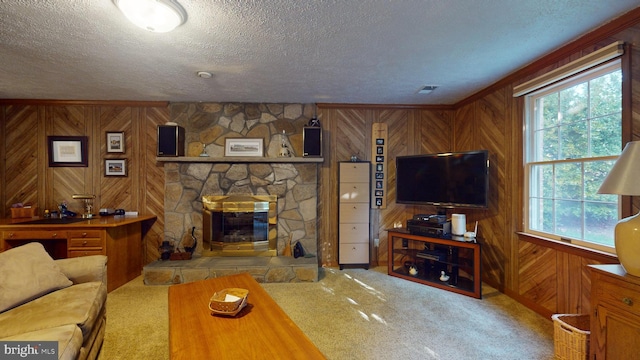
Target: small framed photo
(378,184)
(380,150)
(379,159)
(379,167)
(379,175)
(378,201)
(115,167)
(115,142)
(379,193)
(379,141)
(243,147)
(70,151)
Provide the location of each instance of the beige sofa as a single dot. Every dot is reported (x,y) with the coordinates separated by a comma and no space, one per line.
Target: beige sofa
(42,299)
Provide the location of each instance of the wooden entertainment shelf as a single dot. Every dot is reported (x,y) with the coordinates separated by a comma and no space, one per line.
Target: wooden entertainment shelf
(460,260)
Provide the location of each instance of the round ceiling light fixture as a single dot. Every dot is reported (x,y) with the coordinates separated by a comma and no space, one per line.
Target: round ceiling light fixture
(204,74)
(153,15)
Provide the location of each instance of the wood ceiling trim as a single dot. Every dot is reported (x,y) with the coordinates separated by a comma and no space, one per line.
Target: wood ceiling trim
(47,102)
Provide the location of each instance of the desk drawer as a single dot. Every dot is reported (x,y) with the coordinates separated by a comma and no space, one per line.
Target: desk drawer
(82,239)
(85,242)
(85,234)
(620,295)
(85,252)
(34,235)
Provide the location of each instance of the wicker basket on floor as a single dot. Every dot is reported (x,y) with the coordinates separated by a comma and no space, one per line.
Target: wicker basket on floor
(571,336)
(218,303)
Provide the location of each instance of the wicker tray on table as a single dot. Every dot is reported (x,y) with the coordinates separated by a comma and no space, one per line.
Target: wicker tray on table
(228,301)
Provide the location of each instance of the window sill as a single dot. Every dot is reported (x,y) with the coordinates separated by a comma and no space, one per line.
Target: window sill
(569,248)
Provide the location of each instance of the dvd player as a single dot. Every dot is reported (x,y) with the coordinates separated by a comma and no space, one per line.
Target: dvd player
(427,228)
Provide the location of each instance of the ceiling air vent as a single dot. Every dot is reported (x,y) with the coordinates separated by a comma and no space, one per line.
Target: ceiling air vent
(427,89)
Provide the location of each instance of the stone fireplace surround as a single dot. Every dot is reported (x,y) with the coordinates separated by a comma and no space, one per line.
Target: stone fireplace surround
(294,182)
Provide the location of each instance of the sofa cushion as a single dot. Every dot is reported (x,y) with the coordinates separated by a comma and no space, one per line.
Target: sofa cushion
(69,338)
(75,305)
(27,272)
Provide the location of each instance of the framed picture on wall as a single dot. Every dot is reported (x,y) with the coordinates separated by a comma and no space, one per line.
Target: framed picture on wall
(115,142)
(68,151)
(115,167)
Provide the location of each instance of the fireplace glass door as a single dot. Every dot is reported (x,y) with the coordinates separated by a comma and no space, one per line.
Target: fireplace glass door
(240,225)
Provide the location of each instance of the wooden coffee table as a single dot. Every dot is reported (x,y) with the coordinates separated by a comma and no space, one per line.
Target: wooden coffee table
(260,331)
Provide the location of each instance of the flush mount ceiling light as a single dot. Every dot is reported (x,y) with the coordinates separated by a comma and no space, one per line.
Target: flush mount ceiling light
(427,89)
(204,74)
(153,15)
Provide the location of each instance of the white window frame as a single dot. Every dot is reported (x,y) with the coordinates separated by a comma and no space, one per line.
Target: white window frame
(528,149)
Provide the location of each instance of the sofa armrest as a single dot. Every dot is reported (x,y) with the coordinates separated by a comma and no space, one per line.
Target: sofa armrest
(84,268)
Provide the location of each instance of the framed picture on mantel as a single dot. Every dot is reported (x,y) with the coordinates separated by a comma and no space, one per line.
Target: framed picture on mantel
(243,147)
(68,151)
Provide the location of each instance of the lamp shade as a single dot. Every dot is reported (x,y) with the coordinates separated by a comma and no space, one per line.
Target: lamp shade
(153,15)
(624,177)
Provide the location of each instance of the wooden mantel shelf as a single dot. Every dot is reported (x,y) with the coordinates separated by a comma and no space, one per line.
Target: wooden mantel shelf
(239,159)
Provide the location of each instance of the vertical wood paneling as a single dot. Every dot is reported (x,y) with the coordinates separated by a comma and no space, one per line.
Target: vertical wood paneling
(350,134)
(24,130)
(66,181)
(399,124)
(21,159)
(538,266)
(347,128)
(491,133)
(116,191)
(327,193)
(151,185)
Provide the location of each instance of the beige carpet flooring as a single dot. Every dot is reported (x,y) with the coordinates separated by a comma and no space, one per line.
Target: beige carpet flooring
(355,314)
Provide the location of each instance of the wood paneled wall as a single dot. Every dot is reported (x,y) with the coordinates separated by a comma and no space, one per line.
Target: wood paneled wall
(545,276)
(27,177)
(347,132)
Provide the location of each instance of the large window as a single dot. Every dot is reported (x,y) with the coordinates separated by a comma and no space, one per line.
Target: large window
(573,137)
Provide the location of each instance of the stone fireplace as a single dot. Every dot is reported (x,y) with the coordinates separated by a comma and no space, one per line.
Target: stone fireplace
(205,171)
(240,225)
(293,184)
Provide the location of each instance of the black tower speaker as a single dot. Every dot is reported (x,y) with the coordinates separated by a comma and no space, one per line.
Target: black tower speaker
(312,141)
(170,140)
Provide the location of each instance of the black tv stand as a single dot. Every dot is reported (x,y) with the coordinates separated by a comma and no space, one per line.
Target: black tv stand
(432,255)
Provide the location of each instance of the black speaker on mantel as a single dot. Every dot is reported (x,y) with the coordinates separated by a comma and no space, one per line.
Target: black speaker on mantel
(312,141)
(170,140)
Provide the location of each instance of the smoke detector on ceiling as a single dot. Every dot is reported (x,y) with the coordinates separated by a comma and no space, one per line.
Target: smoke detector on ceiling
(427,89)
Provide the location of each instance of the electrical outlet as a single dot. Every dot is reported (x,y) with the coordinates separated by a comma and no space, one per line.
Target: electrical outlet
(376,242)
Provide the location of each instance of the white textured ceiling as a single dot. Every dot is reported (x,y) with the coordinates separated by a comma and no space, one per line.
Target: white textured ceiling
(290,51)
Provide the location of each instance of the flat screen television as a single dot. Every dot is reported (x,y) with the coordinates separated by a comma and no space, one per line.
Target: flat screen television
(447,180)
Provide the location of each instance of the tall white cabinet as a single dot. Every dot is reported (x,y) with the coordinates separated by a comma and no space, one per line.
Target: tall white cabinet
(353,213)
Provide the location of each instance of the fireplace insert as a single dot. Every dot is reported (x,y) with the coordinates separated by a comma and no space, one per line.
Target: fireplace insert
(240,225)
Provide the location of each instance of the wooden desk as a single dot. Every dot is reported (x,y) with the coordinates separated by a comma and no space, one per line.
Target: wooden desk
(117,237)
(260,331)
